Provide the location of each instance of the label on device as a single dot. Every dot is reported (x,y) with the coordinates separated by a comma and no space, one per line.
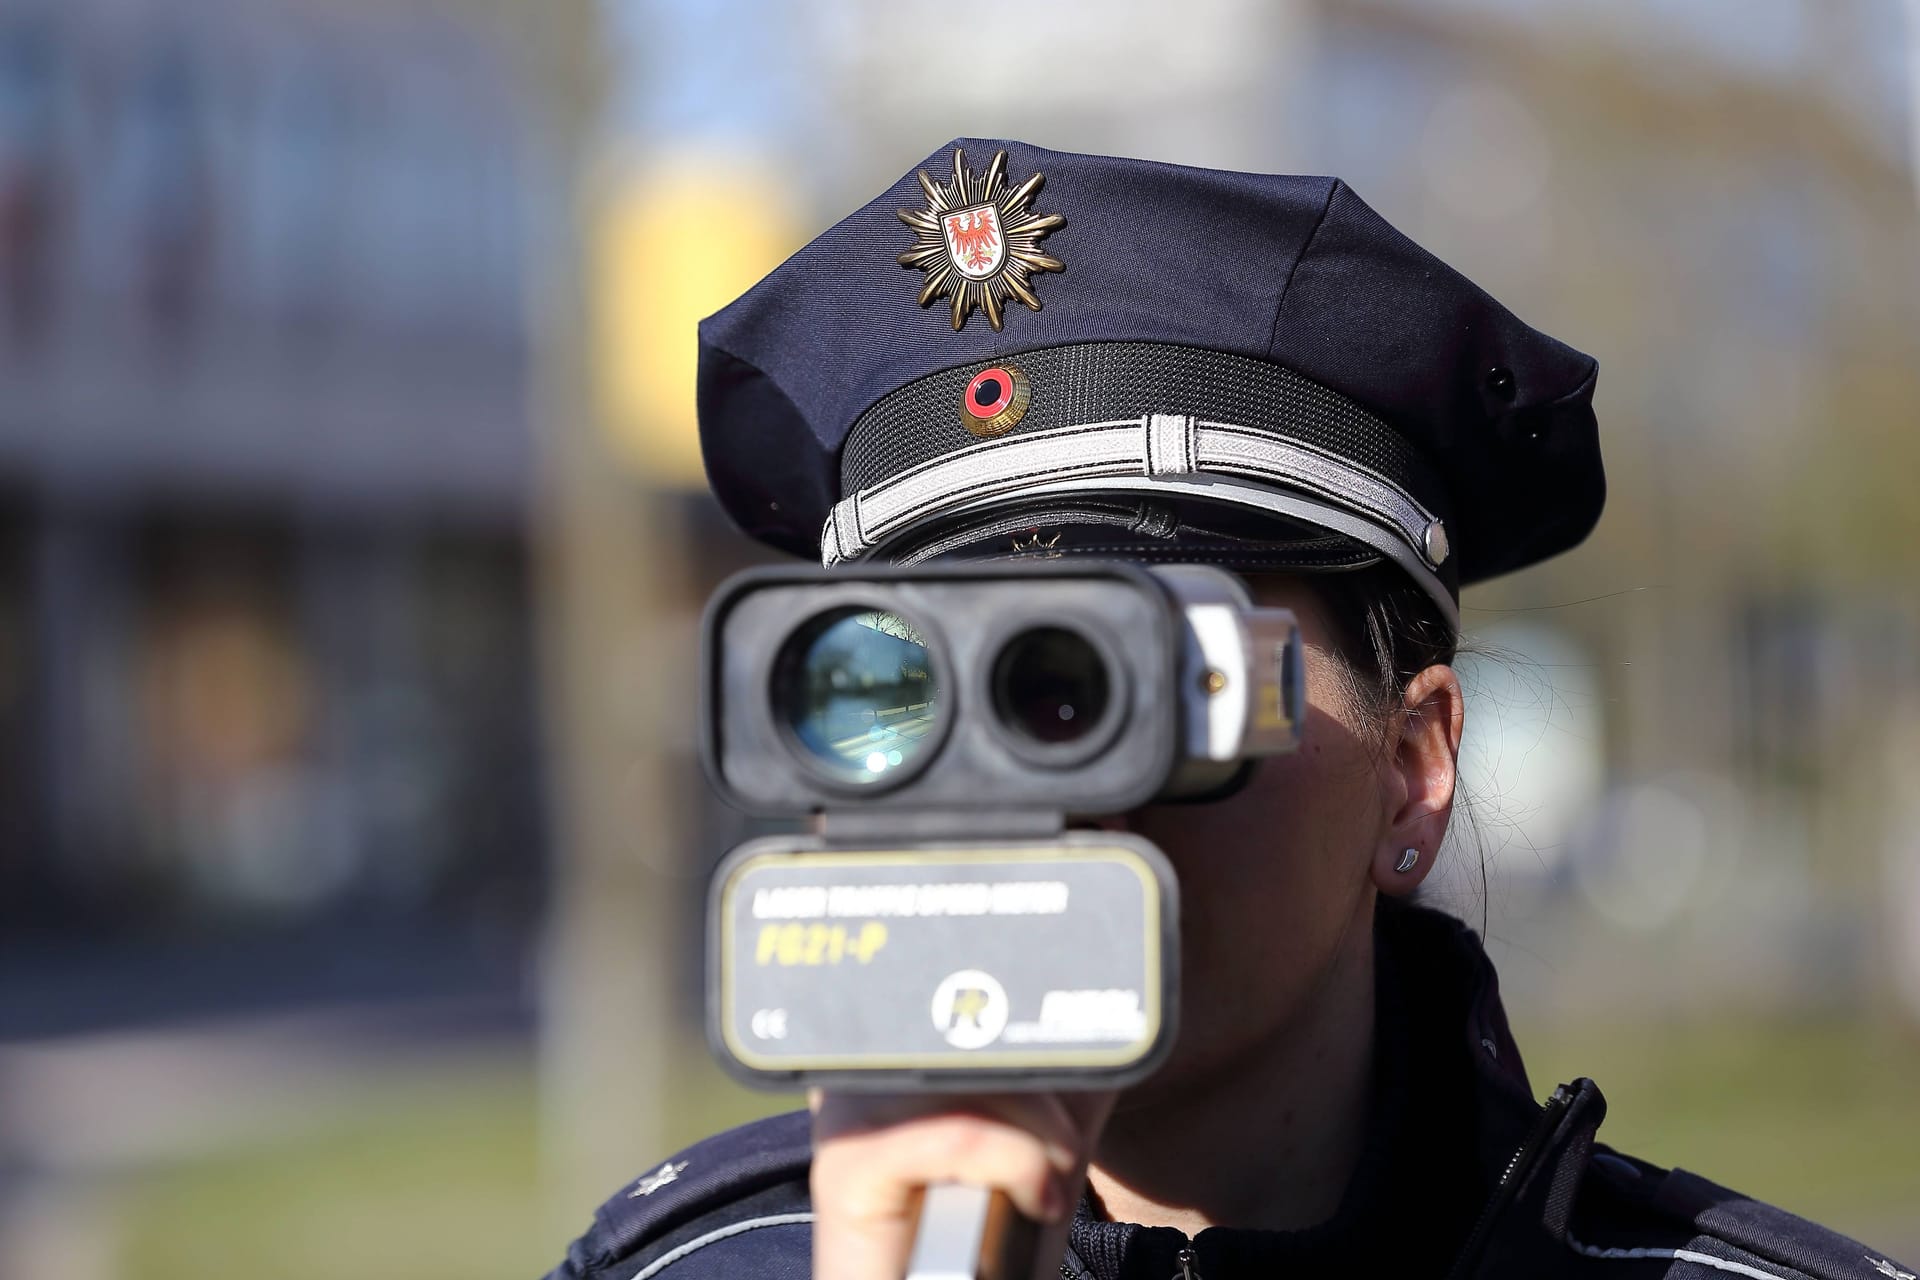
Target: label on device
(1046,962)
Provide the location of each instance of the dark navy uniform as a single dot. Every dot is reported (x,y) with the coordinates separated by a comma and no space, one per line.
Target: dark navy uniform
(1016,352)
(1463,1175)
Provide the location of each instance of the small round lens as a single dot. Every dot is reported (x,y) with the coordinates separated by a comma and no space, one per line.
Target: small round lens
(857,689)
(1050,685)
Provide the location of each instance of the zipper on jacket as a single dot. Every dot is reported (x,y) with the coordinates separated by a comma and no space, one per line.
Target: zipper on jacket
(1516,1172)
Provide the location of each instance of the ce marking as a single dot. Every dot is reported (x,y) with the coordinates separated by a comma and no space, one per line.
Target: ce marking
(769,1024)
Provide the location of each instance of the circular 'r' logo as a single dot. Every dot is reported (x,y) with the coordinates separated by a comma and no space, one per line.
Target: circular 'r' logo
(969,1009)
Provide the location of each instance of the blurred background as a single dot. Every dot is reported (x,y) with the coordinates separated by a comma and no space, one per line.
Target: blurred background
(352,539)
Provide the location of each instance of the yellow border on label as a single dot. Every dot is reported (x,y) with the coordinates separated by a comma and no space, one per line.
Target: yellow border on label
(1026,856)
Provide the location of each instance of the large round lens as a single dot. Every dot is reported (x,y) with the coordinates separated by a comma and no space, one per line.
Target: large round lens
(1050,684)
(856,687)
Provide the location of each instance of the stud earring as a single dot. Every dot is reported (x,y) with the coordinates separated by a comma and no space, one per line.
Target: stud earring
(1407,861)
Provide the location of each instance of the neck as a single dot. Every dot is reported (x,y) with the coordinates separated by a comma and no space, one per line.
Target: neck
(1269,1139)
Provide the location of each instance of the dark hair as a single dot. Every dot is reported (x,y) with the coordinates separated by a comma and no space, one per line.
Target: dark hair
(1387,628)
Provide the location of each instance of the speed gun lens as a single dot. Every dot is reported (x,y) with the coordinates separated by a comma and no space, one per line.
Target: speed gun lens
(1051,685)
(856,688)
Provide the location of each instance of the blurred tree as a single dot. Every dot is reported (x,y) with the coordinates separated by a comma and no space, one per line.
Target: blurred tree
(605,565)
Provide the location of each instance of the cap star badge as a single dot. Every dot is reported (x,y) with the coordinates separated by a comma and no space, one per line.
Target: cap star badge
(978,242)
(668,1172)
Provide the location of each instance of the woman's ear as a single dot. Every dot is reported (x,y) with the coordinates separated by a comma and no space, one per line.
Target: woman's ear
(1423,763)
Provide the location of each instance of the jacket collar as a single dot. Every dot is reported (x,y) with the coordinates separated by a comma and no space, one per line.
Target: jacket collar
(1501,1161)
(1451,989)
(1532,1156)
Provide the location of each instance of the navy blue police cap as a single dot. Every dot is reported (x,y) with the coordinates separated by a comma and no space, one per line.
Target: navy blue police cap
(1016,351)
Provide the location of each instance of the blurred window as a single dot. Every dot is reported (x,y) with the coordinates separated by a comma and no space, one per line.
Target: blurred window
(29,99)
(327,722)
(160,214)
(301,170)
(226,708)
(20,815)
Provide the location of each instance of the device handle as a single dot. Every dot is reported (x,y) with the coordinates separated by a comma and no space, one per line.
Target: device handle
(971,1233)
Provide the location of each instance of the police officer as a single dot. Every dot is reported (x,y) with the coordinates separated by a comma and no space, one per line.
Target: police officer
(1023,353)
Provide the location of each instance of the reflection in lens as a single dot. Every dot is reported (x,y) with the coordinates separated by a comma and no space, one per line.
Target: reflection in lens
(1050,684)
(857,689)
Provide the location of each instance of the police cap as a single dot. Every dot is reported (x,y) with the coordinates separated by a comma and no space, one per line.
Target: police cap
(1020,351)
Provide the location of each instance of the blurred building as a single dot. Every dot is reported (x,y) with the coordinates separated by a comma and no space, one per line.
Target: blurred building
(265,457)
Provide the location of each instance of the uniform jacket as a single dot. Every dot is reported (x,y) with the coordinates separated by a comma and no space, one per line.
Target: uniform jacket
(1511,1187)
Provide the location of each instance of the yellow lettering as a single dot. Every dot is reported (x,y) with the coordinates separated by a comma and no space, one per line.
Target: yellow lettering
(816,944)
(793,938)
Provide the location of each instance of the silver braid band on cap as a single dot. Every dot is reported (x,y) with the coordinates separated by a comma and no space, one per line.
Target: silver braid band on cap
(1170,454)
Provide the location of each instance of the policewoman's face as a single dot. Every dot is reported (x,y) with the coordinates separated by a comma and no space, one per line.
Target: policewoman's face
(1276,881)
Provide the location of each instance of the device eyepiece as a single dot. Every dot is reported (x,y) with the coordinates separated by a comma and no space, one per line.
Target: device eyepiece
(856,688)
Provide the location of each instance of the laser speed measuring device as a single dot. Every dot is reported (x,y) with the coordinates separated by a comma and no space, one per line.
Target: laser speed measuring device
(946,924)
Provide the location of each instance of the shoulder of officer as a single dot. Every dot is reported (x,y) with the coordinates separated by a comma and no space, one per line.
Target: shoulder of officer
(1673,1222)
(732,1205)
